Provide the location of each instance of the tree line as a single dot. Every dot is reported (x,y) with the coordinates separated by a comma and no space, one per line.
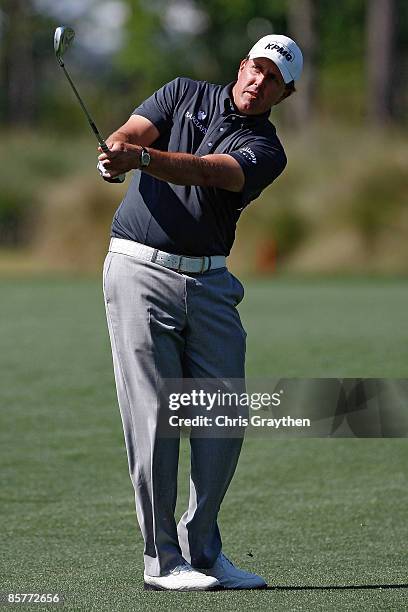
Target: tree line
(356,55)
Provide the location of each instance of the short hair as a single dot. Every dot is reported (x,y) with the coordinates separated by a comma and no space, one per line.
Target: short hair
(290,86)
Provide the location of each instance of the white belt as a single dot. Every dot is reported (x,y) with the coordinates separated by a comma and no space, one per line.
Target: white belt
(180,263)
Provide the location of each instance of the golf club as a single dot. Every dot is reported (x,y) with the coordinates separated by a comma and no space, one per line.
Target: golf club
(63,38)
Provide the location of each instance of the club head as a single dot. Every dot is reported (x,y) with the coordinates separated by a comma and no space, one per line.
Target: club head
(63,37)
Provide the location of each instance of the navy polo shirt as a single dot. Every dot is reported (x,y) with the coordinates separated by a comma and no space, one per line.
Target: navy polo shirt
(199,118)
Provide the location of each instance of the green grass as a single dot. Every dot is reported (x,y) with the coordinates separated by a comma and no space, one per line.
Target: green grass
(323,520)
(328,327)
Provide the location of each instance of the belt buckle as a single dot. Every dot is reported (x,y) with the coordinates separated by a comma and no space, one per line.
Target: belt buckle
(203,258)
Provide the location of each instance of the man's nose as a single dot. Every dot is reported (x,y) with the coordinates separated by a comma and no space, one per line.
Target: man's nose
(260,78)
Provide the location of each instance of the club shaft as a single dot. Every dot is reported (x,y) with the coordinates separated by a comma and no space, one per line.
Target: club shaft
(91,122)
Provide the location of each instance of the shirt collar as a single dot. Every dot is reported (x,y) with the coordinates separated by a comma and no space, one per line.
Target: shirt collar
(227,107)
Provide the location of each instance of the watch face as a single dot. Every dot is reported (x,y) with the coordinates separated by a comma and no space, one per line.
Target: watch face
(144,158)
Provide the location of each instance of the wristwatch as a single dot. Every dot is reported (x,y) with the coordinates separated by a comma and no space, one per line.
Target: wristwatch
(144,158)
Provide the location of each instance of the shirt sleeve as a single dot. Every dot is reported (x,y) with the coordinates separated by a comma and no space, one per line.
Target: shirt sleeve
(262,161)
(159,107)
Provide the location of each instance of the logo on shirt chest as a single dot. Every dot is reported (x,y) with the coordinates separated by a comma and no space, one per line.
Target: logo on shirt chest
(201,115)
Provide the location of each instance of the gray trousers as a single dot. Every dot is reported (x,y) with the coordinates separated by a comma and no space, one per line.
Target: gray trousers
(167,325)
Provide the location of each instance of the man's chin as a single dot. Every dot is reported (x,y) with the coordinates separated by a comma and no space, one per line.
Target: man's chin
(250,108)
(245,105)
(250,105)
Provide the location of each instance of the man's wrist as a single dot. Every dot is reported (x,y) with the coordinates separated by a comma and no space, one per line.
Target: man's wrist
(142,157)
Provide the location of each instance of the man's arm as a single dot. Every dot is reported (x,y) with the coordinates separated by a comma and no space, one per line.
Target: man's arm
(137,130)
(217,170)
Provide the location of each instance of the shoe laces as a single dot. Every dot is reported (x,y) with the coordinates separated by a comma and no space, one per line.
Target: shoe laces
(182,567)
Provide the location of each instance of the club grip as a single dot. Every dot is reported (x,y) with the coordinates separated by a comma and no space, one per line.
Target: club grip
(104,147)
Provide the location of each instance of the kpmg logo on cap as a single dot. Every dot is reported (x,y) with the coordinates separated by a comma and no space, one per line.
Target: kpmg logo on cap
(281,50)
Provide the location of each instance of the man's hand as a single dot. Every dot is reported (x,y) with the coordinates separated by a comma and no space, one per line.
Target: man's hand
(121,158)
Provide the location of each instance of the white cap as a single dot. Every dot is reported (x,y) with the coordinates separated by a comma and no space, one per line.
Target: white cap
(283,51)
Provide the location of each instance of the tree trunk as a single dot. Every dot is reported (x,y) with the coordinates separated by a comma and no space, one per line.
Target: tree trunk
(302,27)
(380,36)
(18,62)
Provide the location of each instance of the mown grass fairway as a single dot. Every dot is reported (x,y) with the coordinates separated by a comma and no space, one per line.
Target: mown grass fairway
(323,520)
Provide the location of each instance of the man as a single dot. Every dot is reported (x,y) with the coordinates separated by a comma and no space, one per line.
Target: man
(203,152)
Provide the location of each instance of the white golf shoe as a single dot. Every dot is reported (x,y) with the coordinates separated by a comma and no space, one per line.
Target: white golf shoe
(230,577)
(181,578)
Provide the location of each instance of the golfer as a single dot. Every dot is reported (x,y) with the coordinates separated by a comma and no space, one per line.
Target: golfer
(202,153)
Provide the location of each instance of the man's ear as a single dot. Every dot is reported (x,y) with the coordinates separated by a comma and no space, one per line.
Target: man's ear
(288,91)
(242,64)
